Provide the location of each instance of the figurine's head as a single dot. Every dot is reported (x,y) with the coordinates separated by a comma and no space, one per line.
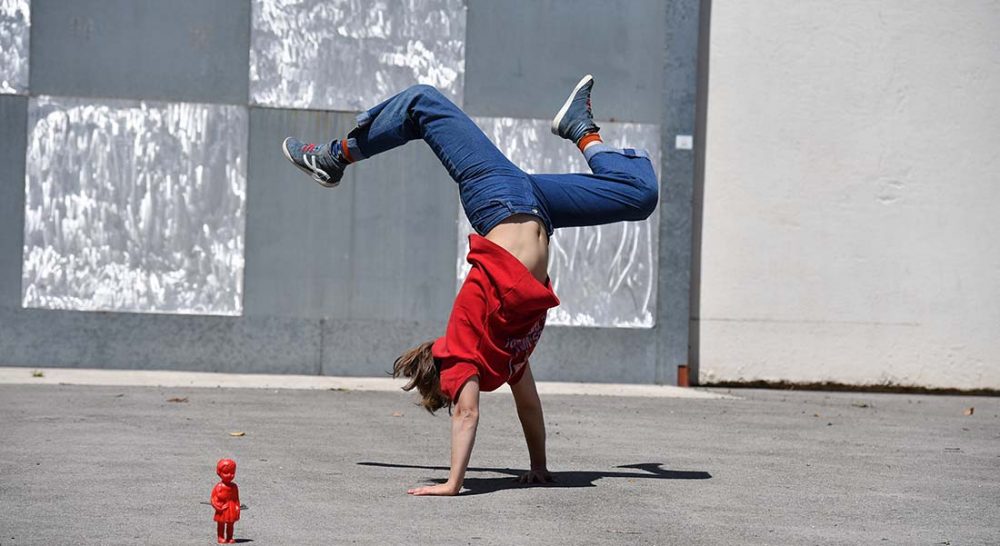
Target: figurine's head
(226,469)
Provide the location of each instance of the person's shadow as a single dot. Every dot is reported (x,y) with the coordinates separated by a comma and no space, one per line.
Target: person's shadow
(570,478)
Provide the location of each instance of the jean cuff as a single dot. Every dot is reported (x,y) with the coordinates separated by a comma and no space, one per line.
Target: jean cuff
(352,147)
(601,148)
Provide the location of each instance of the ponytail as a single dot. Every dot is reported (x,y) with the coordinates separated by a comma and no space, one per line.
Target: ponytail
(418,365)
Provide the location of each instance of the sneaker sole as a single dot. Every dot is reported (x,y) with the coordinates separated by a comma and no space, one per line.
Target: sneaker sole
(312,174)
(565,107)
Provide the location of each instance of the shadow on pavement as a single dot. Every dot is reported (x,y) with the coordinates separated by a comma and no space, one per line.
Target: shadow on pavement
(571,478)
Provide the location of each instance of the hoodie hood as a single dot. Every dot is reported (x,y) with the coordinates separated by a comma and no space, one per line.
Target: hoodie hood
(517,289)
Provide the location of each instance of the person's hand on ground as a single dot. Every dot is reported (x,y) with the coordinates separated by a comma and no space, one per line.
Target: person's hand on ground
(536,475)
(440,490)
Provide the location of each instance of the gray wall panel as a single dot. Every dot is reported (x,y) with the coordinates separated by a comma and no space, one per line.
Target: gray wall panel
(13,125)
(681,77)
(298,233)
(369,347)
(404,236)
(523,57)
(73,339)
(609,355)
(380,246)
(188,50)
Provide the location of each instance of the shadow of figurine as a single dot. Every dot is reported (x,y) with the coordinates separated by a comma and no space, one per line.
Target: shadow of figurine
(570,478)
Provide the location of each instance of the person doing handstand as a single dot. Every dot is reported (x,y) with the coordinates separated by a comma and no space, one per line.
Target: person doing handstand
(500,310)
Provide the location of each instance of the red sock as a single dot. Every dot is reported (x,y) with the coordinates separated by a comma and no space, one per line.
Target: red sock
(587,139)
(345,151)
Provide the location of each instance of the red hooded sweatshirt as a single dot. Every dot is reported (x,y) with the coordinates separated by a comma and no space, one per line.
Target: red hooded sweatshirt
(496,321)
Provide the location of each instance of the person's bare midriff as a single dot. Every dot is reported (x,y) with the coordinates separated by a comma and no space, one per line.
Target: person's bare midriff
(525,237)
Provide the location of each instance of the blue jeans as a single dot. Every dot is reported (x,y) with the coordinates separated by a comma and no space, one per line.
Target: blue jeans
(623,186)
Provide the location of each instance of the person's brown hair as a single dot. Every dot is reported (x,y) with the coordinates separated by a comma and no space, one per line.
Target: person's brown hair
(418,365)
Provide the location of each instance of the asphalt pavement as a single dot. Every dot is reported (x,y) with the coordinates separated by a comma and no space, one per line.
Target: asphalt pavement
(135,465)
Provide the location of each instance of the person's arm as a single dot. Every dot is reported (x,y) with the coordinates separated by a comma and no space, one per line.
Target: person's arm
(529,411)
(216,501)
(464,422)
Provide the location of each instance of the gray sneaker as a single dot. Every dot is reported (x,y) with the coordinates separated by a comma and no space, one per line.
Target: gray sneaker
(314,160)
(575,119)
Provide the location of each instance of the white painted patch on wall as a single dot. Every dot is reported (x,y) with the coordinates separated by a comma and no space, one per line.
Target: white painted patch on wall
(15,34)
(134,206)
(605,276)
(352,54)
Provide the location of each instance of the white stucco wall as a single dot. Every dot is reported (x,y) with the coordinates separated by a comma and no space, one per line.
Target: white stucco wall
(851,225)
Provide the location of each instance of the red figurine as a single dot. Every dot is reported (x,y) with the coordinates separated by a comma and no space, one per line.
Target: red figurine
(226,500)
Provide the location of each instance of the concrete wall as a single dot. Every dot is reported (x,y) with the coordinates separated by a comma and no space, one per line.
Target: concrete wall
(851,193)
(341,282)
